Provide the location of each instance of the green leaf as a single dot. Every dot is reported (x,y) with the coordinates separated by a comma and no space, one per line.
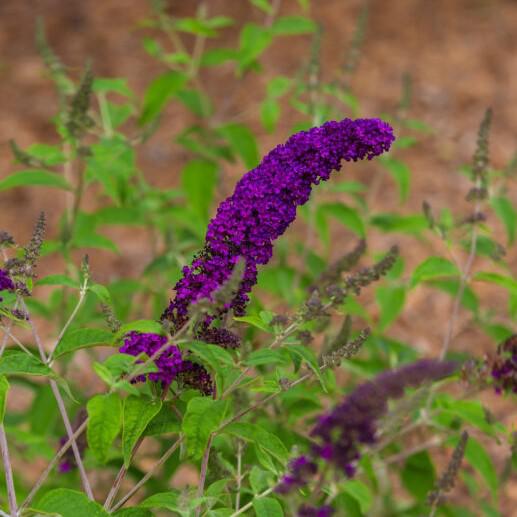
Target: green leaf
(480,460)
(242,142)
(198,179)
(166,421)
(506,282)
(254,320)
(49,154)
(111,84)
(418,475)
(58,280)
(82,338)
(278,86)
(70,503)
(267,507)
(212,355)
(203,416)
(345,215)
(137,413)
(167,500)
(269,114)
(432,268)
(4,388)
(469,299)
(391,302)
(401,174)
(308,355)
(360,492)
(104,422)
(506,212)
(254,40)
(14,362)
(399,223)
(291,25)
(133,512)
(267,356)
(264,5)
(33,177)
(101,292)
(267,441)
(158,93)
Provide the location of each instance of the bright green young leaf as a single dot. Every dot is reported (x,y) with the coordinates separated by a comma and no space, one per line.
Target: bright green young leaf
(451,286)
(418,475)
(82,338)
(506,282)
(50,155)
(203,416)
(164,422)
(111,84)
(399,223)
(212,355)
(242,142)
(345,215)
(481,461)
(70,503)
(269,114)
(391,302)
(101,292)
(507,213)
(254,40)
(269,442)
(167,500)
(159,92)
(14,362)
(401,174)
(307,355)
(104,422)
(292,25)
(360,492)
(4,388)
(58,280)
(253,320)
(264,5)
(433,268)
(137,413)
(31,178)
(267,507)
(198,179)
(268,356)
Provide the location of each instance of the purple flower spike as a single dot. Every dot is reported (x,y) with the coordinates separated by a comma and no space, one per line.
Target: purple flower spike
(6,284)
(311,511)
(504,368)
(264,204)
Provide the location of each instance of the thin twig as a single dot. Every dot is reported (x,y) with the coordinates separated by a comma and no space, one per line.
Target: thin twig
(204,471)
(52,464)
(239,475)
(11,493)
(250,504)
(160,462)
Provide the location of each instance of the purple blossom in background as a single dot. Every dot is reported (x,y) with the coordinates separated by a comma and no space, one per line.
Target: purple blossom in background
(264,204)
(504,369)
(6,284)
(352,423)
(300,469)
(312,511)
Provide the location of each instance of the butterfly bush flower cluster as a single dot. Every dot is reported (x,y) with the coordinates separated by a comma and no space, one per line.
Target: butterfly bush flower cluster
(504,368)
(353,423)
(260,209)
(6,283)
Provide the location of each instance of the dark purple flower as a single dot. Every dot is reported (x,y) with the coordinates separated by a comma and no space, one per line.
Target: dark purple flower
(353,423)
(68,463)
(264,204)
(6,283)
(300,470)
(312,511)
(170,363)
(504,368)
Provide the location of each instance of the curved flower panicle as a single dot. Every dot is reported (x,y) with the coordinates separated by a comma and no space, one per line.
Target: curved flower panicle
(6,283)
(353,423)
(264,204)
(312,511)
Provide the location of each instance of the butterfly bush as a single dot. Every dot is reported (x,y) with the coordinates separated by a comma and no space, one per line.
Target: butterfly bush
(261,208)
(6,283)
(340,432)
(504,368)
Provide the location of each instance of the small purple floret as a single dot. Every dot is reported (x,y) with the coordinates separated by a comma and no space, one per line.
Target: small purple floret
(6,283)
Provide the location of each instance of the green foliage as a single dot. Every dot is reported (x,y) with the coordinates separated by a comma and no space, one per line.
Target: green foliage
(104,423)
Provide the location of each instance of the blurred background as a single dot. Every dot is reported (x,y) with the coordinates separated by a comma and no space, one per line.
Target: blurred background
(457,57)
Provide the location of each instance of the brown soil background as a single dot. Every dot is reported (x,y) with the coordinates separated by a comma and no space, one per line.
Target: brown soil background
(461,55)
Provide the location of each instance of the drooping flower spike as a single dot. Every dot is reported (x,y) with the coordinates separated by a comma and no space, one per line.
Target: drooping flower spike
(264,204)
(260,209)
(340,432)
